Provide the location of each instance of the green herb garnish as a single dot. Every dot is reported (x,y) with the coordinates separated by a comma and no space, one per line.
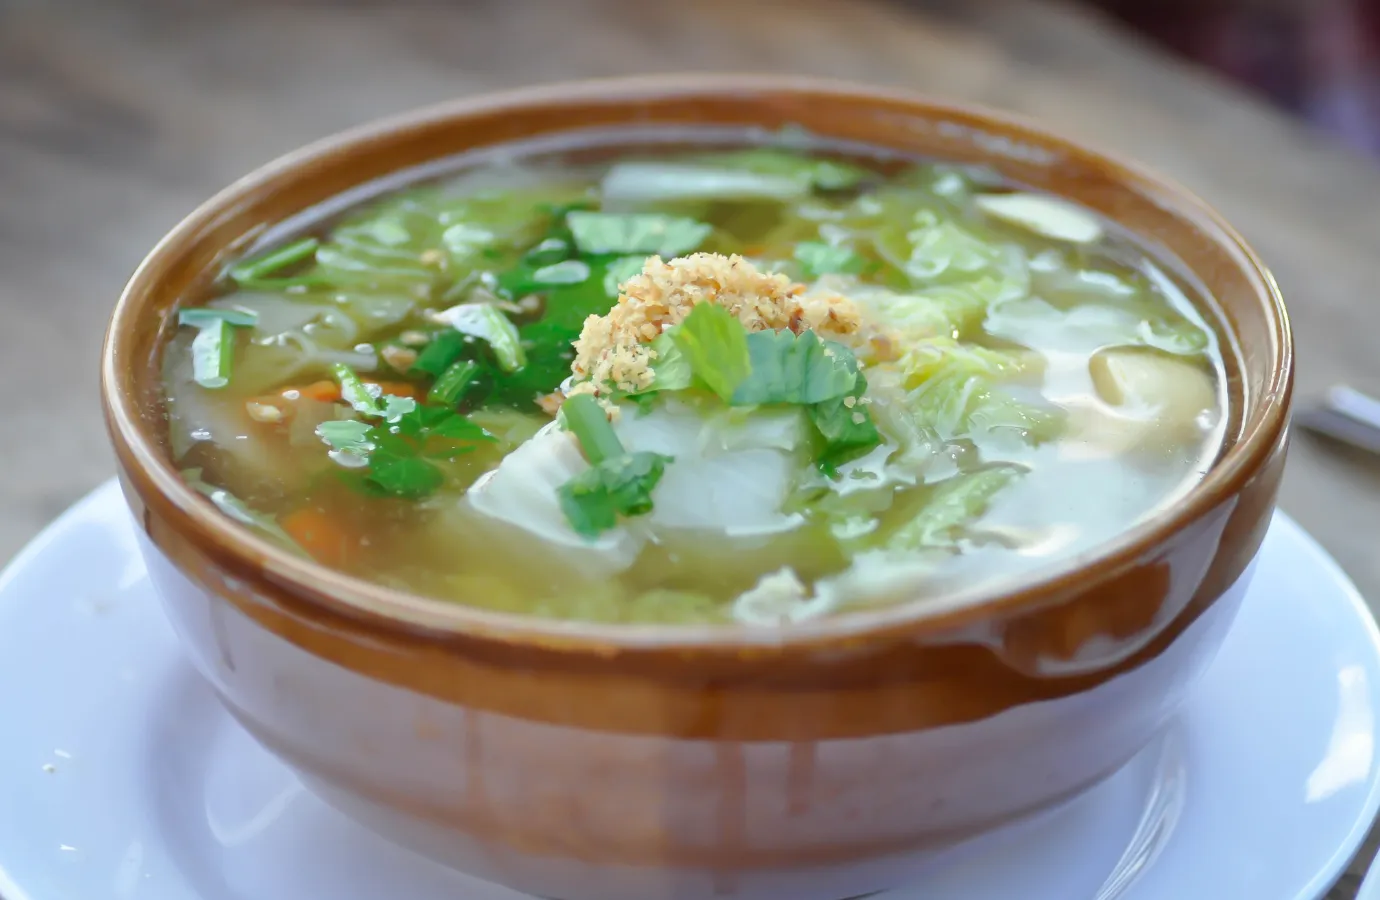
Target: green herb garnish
(799,369)
(453,383)
(484,321)
(440,353)
(845,427)
(254,272)
(617,483)
(213,354)
(569,271)
(202,316)
(598,234)
(399,450)
(619,271)
(355,392)
(818,258)
(714,344)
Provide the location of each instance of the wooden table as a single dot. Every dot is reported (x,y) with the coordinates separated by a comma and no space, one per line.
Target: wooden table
(117,118)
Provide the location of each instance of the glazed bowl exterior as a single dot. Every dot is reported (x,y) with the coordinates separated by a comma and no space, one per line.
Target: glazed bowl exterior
(596,762)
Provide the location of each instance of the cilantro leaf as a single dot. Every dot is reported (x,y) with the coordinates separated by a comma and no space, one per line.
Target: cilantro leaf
(620,485)
(347,436)
(394,408)
(716,346)
(404,476)
(670,369)
(789,368)
(616,483)
(818,259)
(619,271)
(846,427)
(598,233)
(569,271)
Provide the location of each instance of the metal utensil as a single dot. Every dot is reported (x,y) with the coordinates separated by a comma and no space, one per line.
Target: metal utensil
(1347,415)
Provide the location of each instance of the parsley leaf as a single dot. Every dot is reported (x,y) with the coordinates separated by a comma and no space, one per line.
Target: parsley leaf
(716,346)
(404,476)
(619,486)
(569,271)
(616,483)
(347,436)
(619,271)
(398,450)
(670,368)
(800,369)
(598,233)
(846,427)
(818,259)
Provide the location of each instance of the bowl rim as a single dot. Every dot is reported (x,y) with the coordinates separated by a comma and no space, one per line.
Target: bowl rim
(314,587)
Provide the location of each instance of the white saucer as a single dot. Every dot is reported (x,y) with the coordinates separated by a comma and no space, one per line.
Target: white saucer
(122,779)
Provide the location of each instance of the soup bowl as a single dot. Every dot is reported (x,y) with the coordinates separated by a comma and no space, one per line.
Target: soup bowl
(818,761)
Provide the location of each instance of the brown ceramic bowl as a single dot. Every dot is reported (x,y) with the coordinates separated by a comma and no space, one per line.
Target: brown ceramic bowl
(596,762)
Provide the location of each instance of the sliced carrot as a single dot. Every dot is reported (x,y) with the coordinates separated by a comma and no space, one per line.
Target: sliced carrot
(317,533)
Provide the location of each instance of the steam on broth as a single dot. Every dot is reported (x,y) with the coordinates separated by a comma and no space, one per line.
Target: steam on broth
(751,385)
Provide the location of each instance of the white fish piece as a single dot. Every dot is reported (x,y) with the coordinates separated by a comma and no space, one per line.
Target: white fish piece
(1047,216)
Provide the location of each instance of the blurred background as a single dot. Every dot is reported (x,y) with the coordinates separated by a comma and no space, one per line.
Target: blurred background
(1319,59)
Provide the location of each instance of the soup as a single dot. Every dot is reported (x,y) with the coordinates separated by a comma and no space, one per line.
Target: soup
(751,385)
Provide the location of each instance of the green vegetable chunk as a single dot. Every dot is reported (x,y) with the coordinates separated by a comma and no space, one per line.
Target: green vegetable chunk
(715,345)
(213,354)
(484,321)
(453,383)
(823,259)
(954,504)
(355,392)
(201,317)
(846,428)
(254,271)
(799,369)
(617,483)
(664,236)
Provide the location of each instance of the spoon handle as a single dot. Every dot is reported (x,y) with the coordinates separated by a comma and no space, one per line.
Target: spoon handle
(1347,415)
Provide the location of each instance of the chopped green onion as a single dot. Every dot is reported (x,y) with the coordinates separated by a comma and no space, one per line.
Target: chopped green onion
(201,316)
(258,267)
(355,392)
(213,352)
(485,322)
(453,383)
(585,418)
(439,353)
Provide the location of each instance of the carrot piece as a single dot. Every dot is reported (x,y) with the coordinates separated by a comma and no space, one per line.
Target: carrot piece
(320,391)
(317,533)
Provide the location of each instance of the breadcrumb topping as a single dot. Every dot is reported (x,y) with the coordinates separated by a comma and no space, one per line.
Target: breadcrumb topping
(612,349)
